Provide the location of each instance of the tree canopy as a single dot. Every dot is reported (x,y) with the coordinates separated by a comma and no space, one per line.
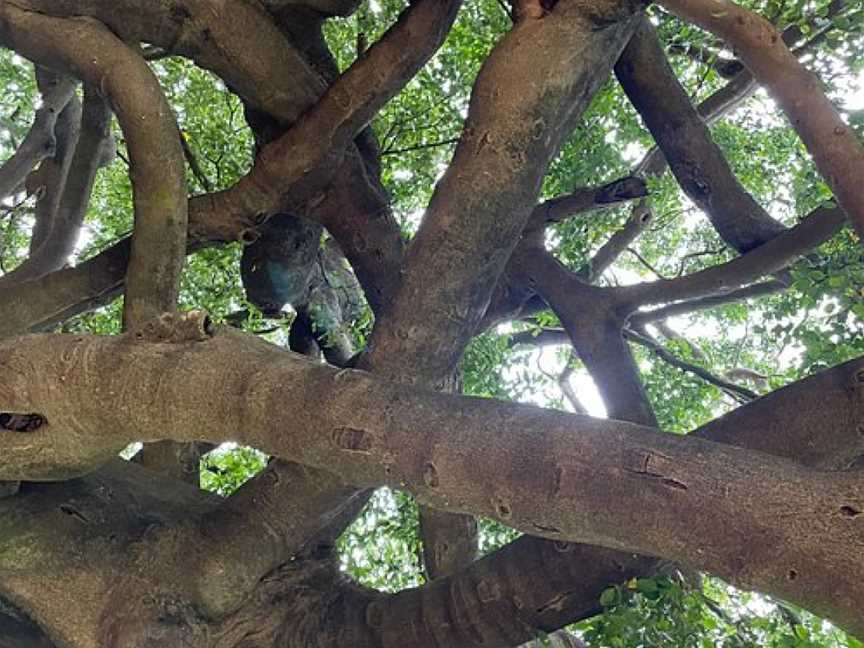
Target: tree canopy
(343,323)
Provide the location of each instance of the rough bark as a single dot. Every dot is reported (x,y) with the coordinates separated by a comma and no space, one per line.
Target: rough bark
(440,447)
(150,562)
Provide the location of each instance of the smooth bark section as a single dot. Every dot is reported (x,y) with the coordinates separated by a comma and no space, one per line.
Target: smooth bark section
(836,149)
(157,166)
(246,50)
(448,450)
(694,158)
(516,122)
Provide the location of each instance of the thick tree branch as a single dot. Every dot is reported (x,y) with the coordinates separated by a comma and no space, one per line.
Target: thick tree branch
(516,123)
(567,580)
(342,112)
(594,325)
(484,200)
(696,161)
(836,150)
(438,446)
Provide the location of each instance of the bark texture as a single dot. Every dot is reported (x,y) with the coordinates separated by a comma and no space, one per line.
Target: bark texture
(145,558)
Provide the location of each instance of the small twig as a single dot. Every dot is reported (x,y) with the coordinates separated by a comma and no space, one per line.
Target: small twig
(194,166)
(742,394)
(645,263)
(419,147)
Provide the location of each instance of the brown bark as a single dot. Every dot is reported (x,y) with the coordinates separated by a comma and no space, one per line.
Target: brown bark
(152,563)
(836,150)
(694,158)
(439,447)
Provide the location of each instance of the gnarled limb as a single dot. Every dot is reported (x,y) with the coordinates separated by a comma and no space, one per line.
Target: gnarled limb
(594,325)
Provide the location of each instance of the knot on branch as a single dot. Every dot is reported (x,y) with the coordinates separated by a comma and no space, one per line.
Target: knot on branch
(192,326)
(623,189)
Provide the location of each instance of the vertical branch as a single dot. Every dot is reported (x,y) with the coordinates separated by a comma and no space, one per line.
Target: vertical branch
(95,148)
(48,180)
(39,142)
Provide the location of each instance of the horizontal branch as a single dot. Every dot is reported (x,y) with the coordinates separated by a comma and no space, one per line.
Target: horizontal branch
(455,453)
(584,199)
(776,254)
(771,287)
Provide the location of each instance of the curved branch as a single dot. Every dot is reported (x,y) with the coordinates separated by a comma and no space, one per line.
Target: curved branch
(769,257)
(158,184)
(584,199)
(836,150)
